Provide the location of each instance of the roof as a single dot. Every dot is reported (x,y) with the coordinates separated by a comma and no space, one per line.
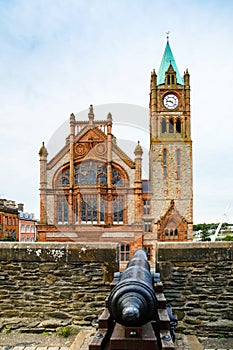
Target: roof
(168,59)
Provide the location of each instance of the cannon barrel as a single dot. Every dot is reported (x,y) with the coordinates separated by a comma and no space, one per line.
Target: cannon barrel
(132,301)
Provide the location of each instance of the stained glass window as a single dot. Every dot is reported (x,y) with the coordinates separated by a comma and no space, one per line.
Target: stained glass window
(65,178)
(62,210)
(89,209)
(91,173)
(102,209)
(118,209)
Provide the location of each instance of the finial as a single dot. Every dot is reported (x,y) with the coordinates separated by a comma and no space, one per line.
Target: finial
(168,36)
(43,151)
(91,114)
(153,72)
(138,150)
(91,109)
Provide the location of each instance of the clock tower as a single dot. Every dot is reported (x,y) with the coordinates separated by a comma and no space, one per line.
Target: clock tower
(171,152)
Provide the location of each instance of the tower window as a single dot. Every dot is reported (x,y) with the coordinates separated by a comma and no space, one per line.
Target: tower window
(164,125)
(147,226)
(178,164)
(178,126)
(173,79)
(172,233)
(168,79)
(171,125)
(165,164)
(146,207)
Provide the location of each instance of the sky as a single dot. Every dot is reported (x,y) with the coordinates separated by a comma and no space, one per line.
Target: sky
(59,56)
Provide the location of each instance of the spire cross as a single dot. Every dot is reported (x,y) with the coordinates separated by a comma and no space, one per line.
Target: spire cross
(168,36)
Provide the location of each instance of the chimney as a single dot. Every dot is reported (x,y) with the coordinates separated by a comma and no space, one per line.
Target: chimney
(20,206)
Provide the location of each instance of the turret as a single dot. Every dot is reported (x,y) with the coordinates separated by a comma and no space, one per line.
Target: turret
(153,93)
(138,162)
(43,183)
(138,182)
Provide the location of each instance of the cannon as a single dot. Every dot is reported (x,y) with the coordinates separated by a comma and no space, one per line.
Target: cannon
(132,301)
(136,313)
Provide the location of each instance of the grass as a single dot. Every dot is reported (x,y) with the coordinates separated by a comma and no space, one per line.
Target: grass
(64,331)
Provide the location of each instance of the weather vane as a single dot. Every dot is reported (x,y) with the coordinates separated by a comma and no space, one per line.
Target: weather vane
(168,35)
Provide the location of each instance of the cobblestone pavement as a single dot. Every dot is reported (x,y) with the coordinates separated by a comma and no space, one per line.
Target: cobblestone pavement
(37,341)
(83,339)
(183,342)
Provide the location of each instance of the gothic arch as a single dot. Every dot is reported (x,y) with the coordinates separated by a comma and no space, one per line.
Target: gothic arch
(172,226)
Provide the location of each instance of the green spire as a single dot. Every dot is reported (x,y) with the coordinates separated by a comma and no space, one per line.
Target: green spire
(166,61)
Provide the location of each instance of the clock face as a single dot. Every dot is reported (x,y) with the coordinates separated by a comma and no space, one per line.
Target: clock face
(170,101)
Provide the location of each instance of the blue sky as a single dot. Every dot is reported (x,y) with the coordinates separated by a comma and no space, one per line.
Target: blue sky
(58,57)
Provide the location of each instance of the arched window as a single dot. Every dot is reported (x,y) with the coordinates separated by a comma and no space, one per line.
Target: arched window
(171,125)
(165,164)
(178,126)
(65,177)
(92,172)
(116,177)
(164,125)
(176,232)
(173,79)
(166,232)
(171,232)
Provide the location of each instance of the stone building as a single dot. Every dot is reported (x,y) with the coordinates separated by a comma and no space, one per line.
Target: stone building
(92,191)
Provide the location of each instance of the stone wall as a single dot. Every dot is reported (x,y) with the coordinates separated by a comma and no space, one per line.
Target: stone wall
(198,282)
(46,285)
(43,286)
